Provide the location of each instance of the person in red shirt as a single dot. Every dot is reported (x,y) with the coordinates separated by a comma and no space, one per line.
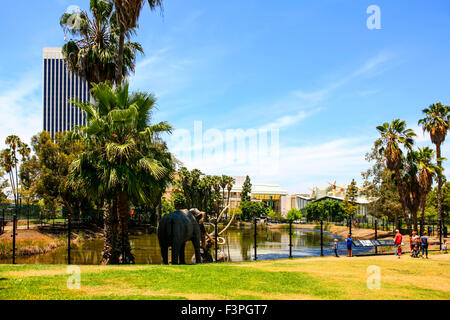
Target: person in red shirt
(397,241)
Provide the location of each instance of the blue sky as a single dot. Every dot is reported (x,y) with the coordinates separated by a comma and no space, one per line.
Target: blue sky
(311,69)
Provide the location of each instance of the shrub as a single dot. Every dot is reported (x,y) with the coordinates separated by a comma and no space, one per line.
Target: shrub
(294,214)
(179,201)
(166,207)
(252,210)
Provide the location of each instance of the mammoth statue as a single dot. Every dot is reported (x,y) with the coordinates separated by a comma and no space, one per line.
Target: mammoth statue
(178,227)
(181,226)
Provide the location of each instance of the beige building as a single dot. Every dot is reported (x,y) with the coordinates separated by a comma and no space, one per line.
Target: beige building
(331,192)
(262,192)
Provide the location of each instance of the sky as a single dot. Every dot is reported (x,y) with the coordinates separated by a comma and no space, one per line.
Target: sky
(307,80)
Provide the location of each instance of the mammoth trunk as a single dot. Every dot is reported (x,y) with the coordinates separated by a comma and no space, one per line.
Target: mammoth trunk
(126,257)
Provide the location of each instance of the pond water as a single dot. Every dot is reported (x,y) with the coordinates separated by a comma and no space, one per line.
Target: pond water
(271,244)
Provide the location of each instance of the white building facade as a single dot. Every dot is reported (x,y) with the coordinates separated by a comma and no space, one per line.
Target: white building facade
(60,86)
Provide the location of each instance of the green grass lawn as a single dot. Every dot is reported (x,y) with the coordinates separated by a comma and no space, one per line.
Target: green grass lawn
(315,278)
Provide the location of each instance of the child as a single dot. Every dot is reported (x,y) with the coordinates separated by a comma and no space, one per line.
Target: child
(349,245)
(444,246)
(424,245)
(399,250)
(335,248)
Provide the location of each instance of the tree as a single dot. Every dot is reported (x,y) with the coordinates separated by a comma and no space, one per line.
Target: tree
(9,161)
(350,205)
(127,14)
(3,186)
(126,159)
(167,207)
(246,193)
(93,52)
(251,210)
(324,210)
(393,136)
(54,159)
(223,184)
(29,170)
(410,181)
(294,214)
(230,184)
(436,123)
(431,205)
(427,172)
(380,186)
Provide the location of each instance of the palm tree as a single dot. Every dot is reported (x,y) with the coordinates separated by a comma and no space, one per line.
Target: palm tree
(427,172)
(231,182)
(436,123)
(206,186)
(223,184)
(393,136)
(127,14)
(93,54)
(126,159)
(410,181)
(9,161)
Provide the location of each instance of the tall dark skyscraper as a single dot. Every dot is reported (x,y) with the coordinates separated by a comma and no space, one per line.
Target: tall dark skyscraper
(60,86)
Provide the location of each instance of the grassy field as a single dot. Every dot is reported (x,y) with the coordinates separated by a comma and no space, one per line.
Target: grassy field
(315,278)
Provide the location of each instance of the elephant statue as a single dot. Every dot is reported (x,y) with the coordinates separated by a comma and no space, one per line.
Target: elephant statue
(178,227)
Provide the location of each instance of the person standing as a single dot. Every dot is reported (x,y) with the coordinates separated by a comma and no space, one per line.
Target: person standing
(424,245)
(397,240)
(349,245)
(335,248)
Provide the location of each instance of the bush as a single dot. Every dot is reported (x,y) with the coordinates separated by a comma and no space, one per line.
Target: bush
(166,207)
(252,210)
(294,214)
(179,201)
(274,215)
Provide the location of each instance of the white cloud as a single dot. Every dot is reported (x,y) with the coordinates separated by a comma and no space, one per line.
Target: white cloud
(289,120)
(371,67)
(21,107)
(303,167)
(161,73)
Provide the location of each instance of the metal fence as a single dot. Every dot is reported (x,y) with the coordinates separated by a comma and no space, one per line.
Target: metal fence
(373,246)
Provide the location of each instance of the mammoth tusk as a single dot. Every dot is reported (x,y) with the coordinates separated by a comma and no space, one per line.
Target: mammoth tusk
(229,224)
(221,214)
(226,228)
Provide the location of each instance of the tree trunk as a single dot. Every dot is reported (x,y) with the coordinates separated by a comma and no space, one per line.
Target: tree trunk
(414,221)
(126,257)
(439,195)
(111,249)
(119,72)
(422,218)
(159,212)
(401,192)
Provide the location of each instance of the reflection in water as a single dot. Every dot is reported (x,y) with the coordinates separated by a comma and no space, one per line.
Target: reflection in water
(272,244)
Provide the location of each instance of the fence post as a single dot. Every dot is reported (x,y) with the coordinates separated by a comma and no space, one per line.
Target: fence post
(290,239)
(216,236)
(69,231)
(376,235)
(3,221)
(14,239)
(440,235)
(321,238)
(255,234)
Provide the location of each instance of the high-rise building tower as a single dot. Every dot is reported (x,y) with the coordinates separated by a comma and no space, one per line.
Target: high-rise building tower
(60,86)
